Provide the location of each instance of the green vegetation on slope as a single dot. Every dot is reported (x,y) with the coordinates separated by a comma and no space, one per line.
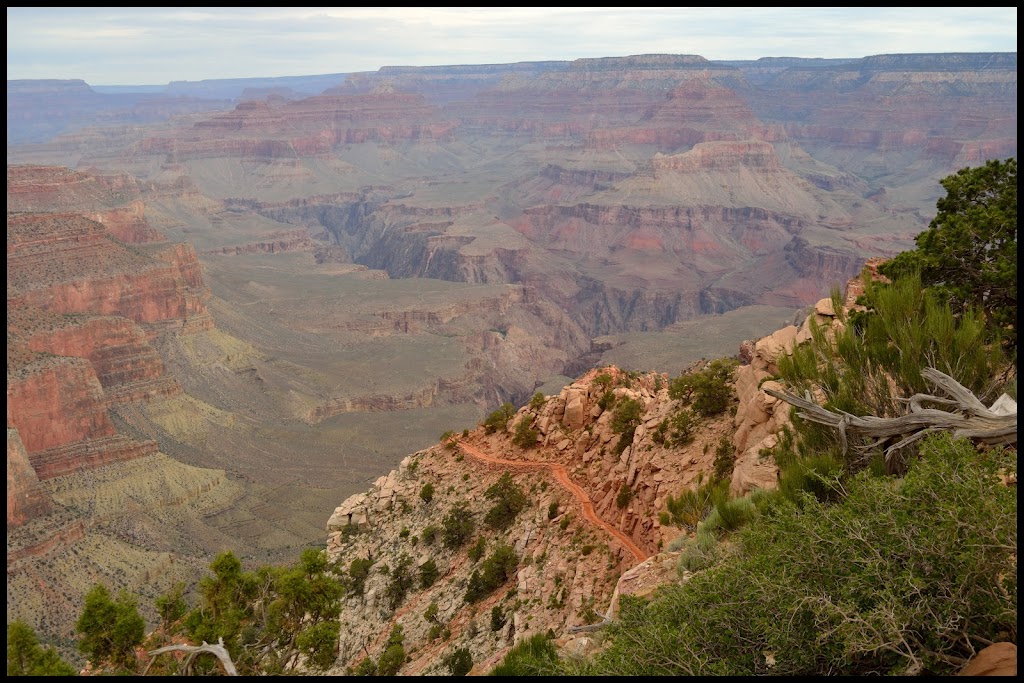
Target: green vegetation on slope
(866,586)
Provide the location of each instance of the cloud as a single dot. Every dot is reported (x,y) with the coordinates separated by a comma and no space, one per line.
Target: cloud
(157,45)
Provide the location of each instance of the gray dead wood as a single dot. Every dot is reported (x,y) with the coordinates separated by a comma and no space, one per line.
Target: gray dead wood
(967,417)
(219,651)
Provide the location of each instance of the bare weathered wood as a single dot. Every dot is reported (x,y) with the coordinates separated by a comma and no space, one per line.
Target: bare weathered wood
(587,628)
(968,417)
(219,651)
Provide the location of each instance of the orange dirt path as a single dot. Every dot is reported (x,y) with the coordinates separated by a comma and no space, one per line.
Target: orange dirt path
(562,476)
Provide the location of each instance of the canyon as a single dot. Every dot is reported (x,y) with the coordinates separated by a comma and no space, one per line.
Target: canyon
(230,309)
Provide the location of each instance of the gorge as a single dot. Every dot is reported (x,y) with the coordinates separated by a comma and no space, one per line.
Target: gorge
(227,316)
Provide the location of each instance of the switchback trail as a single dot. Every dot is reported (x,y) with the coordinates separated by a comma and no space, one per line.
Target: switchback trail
(562,476)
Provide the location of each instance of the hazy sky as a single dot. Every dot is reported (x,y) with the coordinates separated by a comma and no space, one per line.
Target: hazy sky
(155,45)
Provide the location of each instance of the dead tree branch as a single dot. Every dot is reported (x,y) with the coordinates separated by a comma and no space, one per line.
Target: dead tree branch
(968,417)
(219,651)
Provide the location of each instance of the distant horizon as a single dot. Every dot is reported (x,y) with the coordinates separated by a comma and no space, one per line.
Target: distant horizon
(524,61)
(158,46)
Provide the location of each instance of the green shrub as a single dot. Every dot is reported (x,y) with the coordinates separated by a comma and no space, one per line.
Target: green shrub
(878,356)
(399,583)
(627,415)
(319,644)
(350,531)
(427,492)
(607,400)
(535,656)
(509,501)
(366,667)
(525,436)
(394,654)
(708,391)
(358,571)
(497,618)
(735,513)
(537,402)
(431,612)
(429,534)
(683,425)
(27,657)
(171,606)
(693,505)
(499,418)
(496,570)
(699,553)
(897,576)
(458,526)
(552,509)
(624,496)
(428,574)
(459,662)
(820,475)
(477,550)
(968,255)
(725,458)
(110,629)
(625,420)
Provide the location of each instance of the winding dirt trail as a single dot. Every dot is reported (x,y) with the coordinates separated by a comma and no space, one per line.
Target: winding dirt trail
(562,477)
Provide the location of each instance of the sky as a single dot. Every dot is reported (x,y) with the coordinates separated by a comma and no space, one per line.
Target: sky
(156,45)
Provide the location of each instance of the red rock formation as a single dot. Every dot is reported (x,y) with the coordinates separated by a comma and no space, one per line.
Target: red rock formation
(58,407)
(285,240)
(67,263)
(83,305)
(25,498)
(89,454)
(54,401)
(998,659)
(129,224)
(53,188)
(128,368)
(315,125)
(63,538)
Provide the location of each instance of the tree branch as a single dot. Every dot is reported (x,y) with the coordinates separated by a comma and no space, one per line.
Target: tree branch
(219,651)
(970,418)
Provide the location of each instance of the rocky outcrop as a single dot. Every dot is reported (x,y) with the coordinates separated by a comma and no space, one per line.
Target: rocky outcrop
(54,401)
(286,129)
(998,659)
(760,417)
(66,263)
(128,224)
(278,242)
(592,514)
(127,366)
(34,188)
(89,288)
(26,499)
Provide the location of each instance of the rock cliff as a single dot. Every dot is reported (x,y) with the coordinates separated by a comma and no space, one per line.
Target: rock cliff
(593,526)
